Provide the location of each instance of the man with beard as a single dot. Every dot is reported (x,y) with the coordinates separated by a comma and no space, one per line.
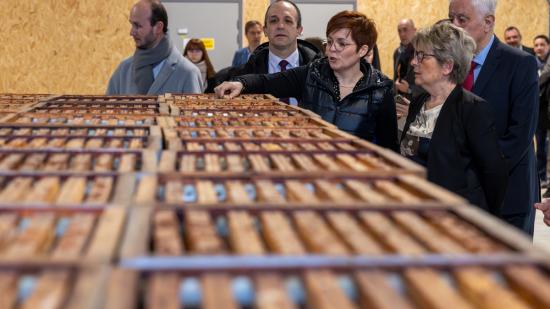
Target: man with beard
(156,67)
(282,26)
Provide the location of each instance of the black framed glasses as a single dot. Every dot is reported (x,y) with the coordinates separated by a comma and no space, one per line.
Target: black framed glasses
(420,56)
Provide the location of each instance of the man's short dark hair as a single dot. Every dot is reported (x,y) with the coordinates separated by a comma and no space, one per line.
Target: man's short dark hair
(299,15)
(158,13)
(542,36)
(251,23)
(512,28)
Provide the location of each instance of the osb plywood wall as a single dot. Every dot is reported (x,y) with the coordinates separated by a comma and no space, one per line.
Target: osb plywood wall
(530,16)
(71,46)
(62,46)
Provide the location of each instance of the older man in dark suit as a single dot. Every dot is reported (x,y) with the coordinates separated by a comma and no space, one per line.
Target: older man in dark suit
(507,78)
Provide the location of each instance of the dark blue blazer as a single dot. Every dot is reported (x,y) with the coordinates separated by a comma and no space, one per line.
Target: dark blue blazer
(509,82)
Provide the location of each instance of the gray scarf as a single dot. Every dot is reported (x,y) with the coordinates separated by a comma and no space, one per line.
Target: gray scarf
(144,62)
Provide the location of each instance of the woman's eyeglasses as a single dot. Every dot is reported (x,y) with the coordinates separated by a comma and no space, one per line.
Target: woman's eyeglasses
(338,45)
(420,56)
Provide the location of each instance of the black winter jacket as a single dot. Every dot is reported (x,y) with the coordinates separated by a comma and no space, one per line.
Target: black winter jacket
(258,63)
(368,112)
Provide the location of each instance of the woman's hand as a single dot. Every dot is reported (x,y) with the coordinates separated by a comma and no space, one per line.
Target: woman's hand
(402,86)
(228,90)
(544,206)
(402,107)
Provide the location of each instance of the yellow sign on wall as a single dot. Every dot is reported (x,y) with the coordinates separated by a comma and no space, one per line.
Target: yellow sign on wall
(208,43)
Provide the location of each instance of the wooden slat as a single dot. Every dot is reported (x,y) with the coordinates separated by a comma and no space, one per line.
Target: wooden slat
(104,163)
(16,189)
(258,163)
(353,235)
(266,192)
(127,163)
(429,290)
(163,291)
(35,239)
(463,232)
(72,191)
(216,292)
(365,192)
(201,233)
(173,192)
(236,193)
(279,234)
(327,162)
(8,286)
(206,193)
(8,225)
(331,192)
(44,190)
(351,163)
(234,163)
(167,240)
(107,234)
(390,235)
(428,235)
(530,283)
(101,190)
(71,244)
(483,292)
(297,192)
(317,235)
(167,161)
(282,163)
(187,163)
(243,235)
(147,189)
(305,163)
(396,192)
(324,292)
(271,293)
(376,292)
(51,290)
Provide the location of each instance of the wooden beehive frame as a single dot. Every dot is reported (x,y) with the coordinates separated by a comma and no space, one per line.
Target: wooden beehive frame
(81,119)
(68,190)
(91,235)
(474,286)
(78,160)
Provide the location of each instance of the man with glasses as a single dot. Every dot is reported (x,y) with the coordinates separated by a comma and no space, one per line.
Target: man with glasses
(507,78)
(282,26)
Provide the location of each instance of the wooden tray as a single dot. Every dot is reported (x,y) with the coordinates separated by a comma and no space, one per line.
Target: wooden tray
(82,119)
(41,136)
(52,287)
(77,160)
(99,99)
(288,191)
(289,162)
(507,286)
(254,133)
(251,122)
(64,189)
(60,236)
(236,144)
(335,232)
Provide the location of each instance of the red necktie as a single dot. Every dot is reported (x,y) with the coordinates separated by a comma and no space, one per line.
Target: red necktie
(283,65)
(468,83)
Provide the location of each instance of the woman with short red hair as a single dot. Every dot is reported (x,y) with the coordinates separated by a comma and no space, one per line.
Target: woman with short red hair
(342,87)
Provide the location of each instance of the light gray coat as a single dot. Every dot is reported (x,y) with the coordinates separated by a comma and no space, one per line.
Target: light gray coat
(177,75)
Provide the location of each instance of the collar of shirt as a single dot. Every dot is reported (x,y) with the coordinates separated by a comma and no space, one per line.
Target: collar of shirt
(156,69)
(293,61)
(479,59)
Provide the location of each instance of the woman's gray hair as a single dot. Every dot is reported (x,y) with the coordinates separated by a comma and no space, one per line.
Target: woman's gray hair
(449,44)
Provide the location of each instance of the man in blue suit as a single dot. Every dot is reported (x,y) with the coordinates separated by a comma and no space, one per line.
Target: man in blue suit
(507,78)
